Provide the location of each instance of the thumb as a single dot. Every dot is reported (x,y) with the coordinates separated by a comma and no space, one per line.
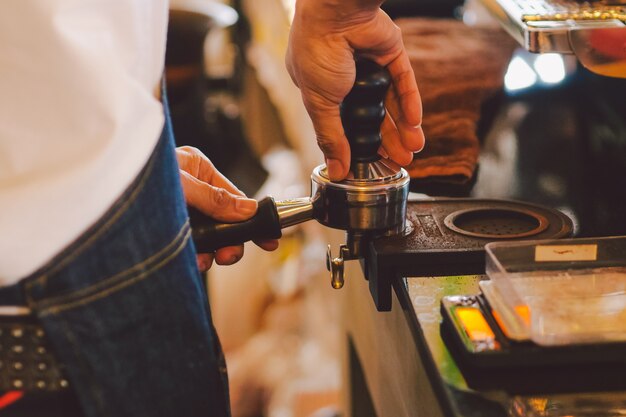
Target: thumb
(217,203)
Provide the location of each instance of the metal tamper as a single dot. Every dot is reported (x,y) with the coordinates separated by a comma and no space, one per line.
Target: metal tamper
(370,202)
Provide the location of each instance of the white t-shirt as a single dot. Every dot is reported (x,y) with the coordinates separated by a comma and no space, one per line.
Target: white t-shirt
(79,117)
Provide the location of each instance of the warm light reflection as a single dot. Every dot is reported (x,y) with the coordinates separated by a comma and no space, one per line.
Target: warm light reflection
(550,68)
(519,75)
(290,8)
(523,311)
(474,324)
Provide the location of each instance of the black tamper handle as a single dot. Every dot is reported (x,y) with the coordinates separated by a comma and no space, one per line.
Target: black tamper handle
(363,111)
(209,235)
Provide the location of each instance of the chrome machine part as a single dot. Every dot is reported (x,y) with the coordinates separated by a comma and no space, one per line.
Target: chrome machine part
(294,211)
(364,208)
(594,31)
(359,206)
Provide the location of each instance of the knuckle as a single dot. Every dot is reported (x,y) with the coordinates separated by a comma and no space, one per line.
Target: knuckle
(193,150)
(197,161)
(220,198)
(184,148)
(196,155)
(326,145)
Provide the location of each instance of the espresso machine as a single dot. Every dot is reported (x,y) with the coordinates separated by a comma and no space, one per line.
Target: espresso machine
(391,234)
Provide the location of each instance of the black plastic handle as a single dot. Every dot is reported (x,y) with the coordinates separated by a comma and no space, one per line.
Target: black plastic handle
(209,235)
(363,111)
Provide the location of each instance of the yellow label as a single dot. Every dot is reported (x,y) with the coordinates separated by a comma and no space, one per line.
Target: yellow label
(558,253)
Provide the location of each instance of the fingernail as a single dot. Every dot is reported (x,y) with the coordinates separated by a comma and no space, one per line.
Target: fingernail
(334,169)
(245,205)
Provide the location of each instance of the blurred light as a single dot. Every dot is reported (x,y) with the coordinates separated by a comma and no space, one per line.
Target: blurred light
(470,18)
(519,75)
(550,68)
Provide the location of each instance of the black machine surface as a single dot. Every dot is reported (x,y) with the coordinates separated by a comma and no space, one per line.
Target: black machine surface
(448,238)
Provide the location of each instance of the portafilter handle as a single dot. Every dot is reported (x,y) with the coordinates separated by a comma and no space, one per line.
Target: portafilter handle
(271,217)
(362,113)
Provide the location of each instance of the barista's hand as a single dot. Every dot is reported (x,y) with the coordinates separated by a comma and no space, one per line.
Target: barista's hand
(325,36)
(209,191)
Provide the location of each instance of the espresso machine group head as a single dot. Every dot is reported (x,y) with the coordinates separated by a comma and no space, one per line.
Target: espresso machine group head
(370,202)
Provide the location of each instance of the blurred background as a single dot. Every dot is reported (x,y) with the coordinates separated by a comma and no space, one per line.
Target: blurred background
(230,96)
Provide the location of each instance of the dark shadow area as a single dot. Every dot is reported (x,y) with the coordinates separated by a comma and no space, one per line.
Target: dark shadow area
(205,111)
(361,403)
(434,8)
(566,149)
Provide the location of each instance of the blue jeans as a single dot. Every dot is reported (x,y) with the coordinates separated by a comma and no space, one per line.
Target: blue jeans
(126,310)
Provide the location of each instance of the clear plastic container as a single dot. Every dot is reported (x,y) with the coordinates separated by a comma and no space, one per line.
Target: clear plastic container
(569,291)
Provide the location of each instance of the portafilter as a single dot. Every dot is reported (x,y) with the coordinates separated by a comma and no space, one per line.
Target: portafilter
(369,202)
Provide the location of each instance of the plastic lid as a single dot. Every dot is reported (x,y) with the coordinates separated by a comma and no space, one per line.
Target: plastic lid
(565,291)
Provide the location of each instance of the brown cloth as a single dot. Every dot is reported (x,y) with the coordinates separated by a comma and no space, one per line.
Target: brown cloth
(457,68)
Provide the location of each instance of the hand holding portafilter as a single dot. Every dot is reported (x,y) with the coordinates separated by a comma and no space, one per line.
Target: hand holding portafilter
(370,202)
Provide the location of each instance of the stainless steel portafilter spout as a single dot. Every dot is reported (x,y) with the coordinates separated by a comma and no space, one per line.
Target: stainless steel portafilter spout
(370,202)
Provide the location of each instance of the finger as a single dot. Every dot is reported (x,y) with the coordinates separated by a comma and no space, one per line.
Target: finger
(411,137)
(194,162)
(204,260)
(268,245)
(330,135)
(392,144)
(228,255)
(405,89)
(216,202)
